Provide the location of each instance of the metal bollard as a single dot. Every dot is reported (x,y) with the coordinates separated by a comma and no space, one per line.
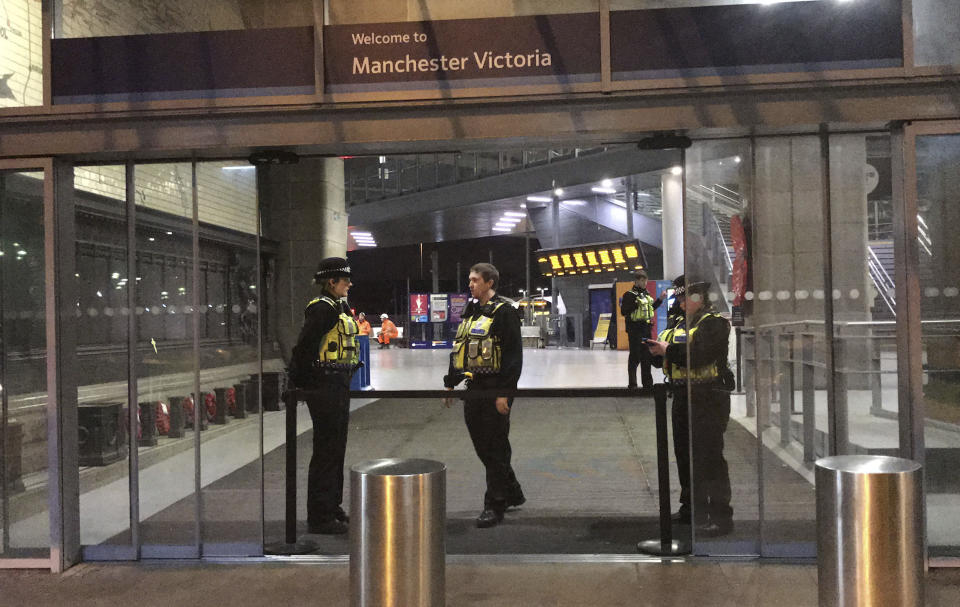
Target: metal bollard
(869,531)
(397,533)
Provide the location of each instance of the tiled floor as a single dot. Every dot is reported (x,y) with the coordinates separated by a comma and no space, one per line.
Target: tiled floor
(707,584)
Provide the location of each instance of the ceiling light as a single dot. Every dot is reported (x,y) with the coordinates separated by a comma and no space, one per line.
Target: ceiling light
(575,202)
(676,170)
(523,206)
(737,159)
(539,199)
(514,214)
(501,224)
(239,168)
(511,219)
(502,230)
(558,191)
(603,190)
(607,183)
(361,233)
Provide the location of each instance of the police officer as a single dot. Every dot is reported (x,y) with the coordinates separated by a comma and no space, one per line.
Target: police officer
(703,420)
(637,307)
(487,353)
(324,360)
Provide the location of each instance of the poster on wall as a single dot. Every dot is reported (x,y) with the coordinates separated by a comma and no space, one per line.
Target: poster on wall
(438,307)
(458,303)
(419,303)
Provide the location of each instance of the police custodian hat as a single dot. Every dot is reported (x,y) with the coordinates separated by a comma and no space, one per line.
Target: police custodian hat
(680,287)
(332,267)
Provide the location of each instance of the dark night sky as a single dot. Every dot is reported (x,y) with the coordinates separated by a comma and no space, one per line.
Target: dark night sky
(380,274)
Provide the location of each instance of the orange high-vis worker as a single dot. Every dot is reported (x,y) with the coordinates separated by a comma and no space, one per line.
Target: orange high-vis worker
(363,324)
(388,331)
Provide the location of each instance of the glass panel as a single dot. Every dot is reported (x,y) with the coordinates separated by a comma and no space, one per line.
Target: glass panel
(936,32)
(706,38)
(229,330)
(103,314)
(24,517)
(165,355)
(864,295)
(938,186)
(343,12)
(721,427)
(21,54)
(120,18)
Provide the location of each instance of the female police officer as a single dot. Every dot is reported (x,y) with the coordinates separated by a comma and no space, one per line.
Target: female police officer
(323,361)
(703,419)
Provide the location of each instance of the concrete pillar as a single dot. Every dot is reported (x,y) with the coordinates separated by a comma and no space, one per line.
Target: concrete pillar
(303,209)
(671,193)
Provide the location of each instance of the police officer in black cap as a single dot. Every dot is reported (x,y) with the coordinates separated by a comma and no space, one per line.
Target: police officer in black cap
(704,335)
(324,360)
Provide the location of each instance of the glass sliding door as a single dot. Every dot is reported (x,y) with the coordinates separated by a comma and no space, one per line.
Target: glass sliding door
(935,186)
(103,316)
(25,518)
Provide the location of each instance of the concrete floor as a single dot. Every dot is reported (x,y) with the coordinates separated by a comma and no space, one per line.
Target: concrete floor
(733,584)
(558,468)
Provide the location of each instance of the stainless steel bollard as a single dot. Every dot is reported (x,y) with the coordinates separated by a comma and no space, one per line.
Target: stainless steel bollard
(869,531)
(398,533)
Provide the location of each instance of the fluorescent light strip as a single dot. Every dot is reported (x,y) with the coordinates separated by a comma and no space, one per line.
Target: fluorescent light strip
(502,229)
(513,220)
(604,190)
(539,199)
(514,214)
(239,168)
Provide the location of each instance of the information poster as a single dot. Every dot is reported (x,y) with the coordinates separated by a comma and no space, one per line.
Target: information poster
(419,303)
(438,307)
(458,303)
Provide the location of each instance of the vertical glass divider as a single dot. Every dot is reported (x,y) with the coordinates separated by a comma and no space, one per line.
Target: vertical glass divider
(62,439)
(911,404)
(199,405)
(133,395)
(836,420)
(260,175)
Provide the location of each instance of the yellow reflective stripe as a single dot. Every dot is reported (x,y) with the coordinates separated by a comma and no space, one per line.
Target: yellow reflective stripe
(679,372)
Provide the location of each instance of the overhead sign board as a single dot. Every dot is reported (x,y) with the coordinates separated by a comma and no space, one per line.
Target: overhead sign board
(590,259)
(453,53)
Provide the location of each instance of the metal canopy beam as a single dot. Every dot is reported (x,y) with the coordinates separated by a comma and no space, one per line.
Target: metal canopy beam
(472,124)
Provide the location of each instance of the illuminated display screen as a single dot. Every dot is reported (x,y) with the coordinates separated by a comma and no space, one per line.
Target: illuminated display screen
(589,259)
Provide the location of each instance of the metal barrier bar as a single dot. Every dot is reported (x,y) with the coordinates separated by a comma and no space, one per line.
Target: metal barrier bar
(290,545)
(808,377)
(665,545)
(786,387)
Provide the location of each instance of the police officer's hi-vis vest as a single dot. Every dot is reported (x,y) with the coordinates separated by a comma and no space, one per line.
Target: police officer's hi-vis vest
(338,348)
(475,348)
(644,310)
(681,373)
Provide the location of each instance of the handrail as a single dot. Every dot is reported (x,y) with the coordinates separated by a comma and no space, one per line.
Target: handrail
(726,250)
(882,281)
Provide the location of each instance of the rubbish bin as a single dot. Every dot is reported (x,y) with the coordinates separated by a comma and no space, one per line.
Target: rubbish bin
(869,531)
(397,533)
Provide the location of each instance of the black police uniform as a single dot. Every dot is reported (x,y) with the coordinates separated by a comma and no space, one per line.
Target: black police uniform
(637,331)
(330,412)
(489,429)
(704,423)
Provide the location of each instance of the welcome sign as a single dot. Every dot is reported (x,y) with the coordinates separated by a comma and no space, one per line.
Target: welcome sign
(543,49)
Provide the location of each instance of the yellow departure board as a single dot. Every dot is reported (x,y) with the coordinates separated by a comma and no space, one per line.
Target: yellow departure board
(596,258)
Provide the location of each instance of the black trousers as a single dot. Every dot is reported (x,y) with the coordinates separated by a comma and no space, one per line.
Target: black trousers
(330,415)
(639,356)
(489,431)
(709,494)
